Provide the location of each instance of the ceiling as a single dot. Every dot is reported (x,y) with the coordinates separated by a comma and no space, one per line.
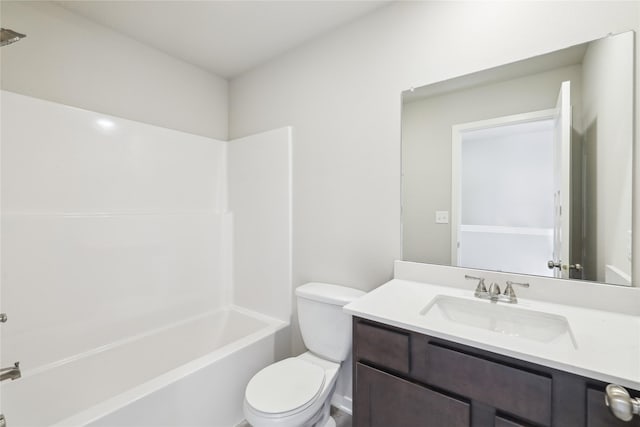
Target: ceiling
(224,37)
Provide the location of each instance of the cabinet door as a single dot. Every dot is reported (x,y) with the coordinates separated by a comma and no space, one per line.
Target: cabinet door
(382,400)
(503,422)
(512,390)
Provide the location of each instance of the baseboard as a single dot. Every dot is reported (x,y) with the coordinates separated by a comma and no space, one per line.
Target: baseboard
(344,403)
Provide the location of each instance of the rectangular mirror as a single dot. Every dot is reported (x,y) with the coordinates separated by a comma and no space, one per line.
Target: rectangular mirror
(525,168)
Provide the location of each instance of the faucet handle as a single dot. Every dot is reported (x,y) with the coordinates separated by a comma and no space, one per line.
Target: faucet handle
(481,289)
(509,289)
(510,294)
(12,373)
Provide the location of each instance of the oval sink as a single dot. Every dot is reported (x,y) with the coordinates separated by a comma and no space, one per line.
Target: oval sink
(503,319)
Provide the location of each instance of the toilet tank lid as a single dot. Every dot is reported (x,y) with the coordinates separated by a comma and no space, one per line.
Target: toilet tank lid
(327,293)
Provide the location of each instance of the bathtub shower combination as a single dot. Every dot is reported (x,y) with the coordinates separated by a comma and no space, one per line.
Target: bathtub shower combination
(131,256)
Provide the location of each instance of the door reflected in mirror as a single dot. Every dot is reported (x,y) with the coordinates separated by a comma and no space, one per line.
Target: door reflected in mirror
(525,168)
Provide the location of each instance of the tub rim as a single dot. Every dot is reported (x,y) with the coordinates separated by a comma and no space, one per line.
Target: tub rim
(119,401)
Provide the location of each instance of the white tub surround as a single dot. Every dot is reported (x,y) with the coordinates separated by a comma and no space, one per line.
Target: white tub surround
(118,257)
(259,181)
(602,340)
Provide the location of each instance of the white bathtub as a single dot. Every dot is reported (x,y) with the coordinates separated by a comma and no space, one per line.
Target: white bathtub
(191,373)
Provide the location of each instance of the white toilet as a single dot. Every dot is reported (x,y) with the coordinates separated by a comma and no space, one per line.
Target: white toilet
(296,392)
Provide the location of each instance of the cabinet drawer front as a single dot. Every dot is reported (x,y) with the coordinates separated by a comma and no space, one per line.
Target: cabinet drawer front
(387,401)
(383,347)
(503,422)
(515,391)
(598,415)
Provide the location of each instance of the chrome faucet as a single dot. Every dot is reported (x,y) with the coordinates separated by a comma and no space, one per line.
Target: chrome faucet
(493,294)
(12,373)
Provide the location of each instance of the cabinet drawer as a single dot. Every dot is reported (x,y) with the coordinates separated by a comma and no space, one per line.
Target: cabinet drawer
(503,422)
(598,415)
(521,393)
(383,347)
(383,400)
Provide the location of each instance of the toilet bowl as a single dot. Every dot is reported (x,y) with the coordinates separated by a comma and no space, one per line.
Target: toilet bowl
(296,392)
(292,393)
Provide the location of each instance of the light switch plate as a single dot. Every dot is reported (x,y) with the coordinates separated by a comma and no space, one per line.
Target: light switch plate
(442,217)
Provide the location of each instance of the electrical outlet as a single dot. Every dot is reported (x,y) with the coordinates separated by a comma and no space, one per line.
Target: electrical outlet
(442,217)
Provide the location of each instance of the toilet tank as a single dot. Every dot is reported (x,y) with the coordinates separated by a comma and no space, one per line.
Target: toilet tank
(325,328)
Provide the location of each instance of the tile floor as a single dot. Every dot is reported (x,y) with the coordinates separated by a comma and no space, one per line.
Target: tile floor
(342,419)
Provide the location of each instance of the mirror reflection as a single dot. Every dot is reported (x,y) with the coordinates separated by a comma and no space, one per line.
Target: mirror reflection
(525,168)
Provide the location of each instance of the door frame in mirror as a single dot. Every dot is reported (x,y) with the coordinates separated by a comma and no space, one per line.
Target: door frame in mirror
(456,158)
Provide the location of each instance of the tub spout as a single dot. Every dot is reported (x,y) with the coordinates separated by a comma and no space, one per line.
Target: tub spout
(12,373)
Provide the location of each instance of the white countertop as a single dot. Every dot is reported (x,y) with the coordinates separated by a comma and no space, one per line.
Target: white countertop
(606,345)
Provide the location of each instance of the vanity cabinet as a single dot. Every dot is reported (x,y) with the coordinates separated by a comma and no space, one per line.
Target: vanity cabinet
(406,379)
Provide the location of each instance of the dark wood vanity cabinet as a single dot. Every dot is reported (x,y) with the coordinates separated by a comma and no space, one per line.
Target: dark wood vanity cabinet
(393,401)
(406,379)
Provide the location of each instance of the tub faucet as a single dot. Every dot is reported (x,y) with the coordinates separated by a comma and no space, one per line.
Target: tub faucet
(12,373)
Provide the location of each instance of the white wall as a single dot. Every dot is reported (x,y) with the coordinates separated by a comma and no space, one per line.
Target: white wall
(426,149)
(110,228)
(341,94)
(68,59)
(260,198)
(608,123)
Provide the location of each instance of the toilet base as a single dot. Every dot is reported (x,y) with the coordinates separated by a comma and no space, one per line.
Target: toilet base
(330,422)
(323,418)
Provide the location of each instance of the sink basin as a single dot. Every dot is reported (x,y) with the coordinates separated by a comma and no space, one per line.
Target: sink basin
(499,318)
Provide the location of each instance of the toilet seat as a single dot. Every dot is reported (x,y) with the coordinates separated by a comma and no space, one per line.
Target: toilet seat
(286,387)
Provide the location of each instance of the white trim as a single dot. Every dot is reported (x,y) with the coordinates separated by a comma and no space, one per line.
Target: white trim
(497,229)
(343,403)
(564,120)
(613,274)
(513,119)
(456,152)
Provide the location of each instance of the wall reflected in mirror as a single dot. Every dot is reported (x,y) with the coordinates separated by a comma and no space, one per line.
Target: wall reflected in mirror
(525,168)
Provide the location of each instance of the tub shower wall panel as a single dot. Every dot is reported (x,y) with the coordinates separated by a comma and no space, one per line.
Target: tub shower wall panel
(57,158)
(260,199)
(74,283)
(110,228)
